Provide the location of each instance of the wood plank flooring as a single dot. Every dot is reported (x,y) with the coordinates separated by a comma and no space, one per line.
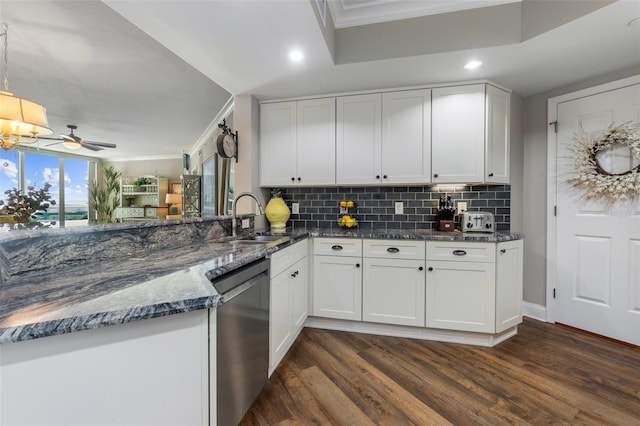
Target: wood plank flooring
(547,374)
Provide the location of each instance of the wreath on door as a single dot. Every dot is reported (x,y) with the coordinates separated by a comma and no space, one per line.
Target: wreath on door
(592,179)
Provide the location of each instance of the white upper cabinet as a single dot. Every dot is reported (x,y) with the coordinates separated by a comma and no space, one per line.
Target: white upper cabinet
(278,143)
(470,134)
(297,143)
(458,134)
(406,137)
(384,138)
(498,105)
(359,139)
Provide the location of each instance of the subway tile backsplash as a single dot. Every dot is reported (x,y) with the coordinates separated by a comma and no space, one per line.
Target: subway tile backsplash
(375,206)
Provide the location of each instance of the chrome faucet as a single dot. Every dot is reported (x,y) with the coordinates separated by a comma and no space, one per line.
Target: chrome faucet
(235,202)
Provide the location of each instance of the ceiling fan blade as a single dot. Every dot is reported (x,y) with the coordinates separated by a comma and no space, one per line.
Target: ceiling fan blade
(49,138)
(90,146)
(71,138)
(55,143)
(102,144)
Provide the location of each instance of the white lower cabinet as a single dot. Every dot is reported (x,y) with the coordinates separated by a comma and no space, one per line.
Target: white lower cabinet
(445,286)
(337,279)
(393,282)
(289,299)
(461,296)
(508,284)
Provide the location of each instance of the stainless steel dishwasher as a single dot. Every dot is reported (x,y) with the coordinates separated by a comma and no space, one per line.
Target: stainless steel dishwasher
(242,340)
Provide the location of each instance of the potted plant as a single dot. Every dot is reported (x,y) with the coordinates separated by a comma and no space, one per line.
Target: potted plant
(140,182)
(104,197)
(22,210)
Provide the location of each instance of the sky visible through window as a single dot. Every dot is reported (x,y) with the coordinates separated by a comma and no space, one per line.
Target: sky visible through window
(40,169)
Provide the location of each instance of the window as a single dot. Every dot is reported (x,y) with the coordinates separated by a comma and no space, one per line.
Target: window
(68,177)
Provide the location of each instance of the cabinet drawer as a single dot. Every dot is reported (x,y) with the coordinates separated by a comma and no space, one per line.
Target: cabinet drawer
(345,247)
(461,251)
(394,249)
(283,259)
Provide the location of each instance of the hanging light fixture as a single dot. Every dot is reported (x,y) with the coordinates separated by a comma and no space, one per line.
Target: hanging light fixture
(19,117)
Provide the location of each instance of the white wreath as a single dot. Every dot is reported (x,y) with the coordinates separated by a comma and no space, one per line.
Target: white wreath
(592,179)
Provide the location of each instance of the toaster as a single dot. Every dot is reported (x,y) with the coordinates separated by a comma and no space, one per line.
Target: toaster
(477,222)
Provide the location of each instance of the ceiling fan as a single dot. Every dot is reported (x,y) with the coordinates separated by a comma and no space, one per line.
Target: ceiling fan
(73,141)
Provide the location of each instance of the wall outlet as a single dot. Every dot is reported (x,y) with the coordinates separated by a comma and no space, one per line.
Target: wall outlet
(295,208)
(399,207)
(461,207)
(245,223)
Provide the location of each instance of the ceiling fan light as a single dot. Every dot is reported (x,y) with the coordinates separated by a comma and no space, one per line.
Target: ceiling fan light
(71,145)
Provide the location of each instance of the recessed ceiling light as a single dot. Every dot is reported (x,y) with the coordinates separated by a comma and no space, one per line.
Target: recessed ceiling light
(472,65)
(296,55)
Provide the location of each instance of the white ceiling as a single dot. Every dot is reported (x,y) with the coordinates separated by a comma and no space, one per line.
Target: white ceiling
(153,92)
(351,13)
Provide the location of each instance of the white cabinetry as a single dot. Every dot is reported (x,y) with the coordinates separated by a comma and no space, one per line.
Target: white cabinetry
(470,134)
(337,278)
(393,290)
(461,286)
(297,143)
(508,284)
(406,137)
(359,139)
(289,299)
(384,138)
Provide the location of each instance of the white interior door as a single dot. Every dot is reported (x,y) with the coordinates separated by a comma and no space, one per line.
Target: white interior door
(597,243)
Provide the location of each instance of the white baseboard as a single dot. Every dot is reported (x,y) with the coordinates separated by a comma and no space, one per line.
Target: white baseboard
(534,311)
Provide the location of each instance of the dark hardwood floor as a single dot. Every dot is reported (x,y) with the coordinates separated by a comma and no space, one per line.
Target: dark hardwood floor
(547,374)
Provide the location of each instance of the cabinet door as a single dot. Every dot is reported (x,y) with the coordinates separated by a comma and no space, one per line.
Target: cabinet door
(299,295)
(337,287)
(358,139)
(497,137)
(461,296)
(277,143)
(458,133)
(508,285)
(316,142)
(406,137)
(279,318)
(393,291)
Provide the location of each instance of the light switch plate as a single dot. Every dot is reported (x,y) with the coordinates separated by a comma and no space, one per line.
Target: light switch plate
(245,223)
(399,207)
(295,208)
(461,207)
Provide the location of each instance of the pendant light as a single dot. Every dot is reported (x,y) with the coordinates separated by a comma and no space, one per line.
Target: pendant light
(19,117)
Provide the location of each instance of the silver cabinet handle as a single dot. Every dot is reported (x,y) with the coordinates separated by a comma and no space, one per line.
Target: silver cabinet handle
(459,252)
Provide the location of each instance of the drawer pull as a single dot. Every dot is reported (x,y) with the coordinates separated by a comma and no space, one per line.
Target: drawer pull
(295,274)
(503,251)
(459,252)
(357,265)
(336,247)
(430,269)
(393,250)
(420,268)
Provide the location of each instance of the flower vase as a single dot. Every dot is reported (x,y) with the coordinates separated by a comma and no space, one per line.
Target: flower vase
(277,214)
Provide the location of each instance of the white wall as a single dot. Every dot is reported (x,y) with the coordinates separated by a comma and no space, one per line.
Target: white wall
(535,182)
(516,145)
(171,169)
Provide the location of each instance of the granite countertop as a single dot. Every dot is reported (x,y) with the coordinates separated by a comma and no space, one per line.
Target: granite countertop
(412,234)
(50,301)
(89,293)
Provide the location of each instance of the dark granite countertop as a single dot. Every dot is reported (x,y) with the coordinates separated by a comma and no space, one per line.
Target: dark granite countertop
(74,294)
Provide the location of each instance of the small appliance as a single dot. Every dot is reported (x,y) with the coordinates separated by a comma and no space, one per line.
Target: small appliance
(477,222)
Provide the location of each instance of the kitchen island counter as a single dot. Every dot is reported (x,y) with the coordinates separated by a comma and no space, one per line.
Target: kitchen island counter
(61,281)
